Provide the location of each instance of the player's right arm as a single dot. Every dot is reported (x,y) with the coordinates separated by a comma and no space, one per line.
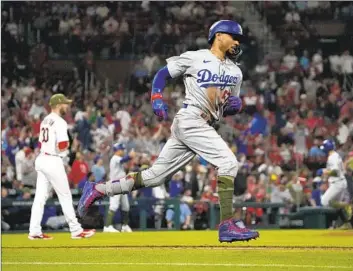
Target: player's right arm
(176,66)
(159,81)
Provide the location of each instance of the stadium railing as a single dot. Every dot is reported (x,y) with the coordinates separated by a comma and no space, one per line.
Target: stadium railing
(307,217)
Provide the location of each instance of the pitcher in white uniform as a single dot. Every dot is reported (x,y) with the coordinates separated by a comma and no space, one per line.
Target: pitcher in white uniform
(212,82)
(54,142)
(117,171)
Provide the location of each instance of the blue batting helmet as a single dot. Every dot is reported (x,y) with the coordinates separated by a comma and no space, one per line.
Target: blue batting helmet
(327,145)
(119,146)
(225,26)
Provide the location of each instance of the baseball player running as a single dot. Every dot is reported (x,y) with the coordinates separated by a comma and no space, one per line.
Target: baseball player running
(54,143)
(117,172)
(212,83)
(337,183)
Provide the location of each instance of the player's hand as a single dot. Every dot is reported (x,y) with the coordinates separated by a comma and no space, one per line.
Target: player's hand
(160,109)
(232,106)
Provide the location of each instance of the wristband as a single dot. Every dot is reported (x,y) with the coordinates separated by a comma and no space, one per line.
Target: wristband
(156,96)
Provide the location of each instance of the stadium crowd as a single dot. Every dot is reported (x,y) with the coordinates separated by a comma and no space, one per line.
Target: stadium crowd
(290,106)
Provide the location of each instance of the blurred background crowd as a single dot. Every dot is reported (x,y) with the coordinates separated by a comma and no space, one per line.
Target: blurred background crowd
(297,91)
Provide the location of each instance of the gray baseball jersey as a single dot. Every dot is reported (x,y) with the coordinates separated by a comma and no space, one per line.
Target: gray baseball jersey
(202,69)
(191,133)
(116,168)
(334,162)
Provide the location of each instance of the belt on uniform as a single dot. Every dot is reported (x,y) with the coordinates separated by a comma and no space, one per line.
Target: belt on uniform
(339,181)
(207,117)
(45,153)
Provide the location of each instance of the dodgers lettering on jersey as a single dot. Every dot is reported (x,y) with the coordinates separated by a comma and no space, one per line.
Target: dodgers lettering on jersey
(202,69)
(116,169)
(334,162)
(53,129)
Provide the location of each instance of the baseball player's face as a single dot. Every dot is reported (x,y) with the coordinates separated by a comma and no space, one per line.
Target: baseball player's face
(63,109)
(227,42)
(120,152)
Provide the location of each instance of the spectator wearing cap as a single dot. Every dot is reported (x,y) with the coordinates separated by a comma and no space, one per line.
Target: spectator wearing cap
(98,169)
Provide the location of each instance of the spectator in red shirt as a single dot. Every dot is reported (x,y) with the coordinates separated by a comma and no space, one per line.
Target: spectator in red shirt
(79,170)
(35,126)
(313,121)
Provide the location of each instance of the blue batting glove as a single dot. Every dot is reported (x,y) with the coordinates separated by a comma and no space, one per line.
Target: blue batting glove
(232,106)
(160,109)
(319,172)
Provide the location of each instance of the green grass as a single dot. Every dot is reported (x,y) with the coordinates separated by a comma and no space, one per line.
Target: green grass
(194,250)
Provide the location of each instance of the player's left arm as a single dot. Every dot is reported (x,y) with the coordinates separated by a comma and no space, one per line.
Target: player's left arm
(62,136)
